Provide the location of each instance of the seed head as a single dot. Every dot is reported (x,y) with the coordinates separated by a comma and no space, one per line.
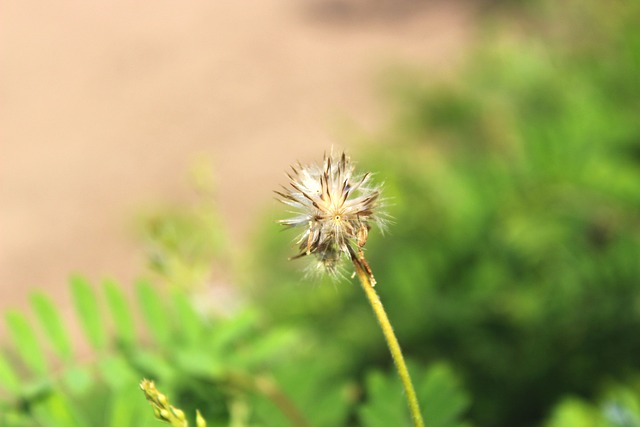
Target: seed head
(334,206)
(162,409)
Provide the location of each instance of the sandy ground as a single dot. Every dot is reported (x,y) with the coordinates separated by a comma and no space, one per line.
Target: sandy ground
(105,105)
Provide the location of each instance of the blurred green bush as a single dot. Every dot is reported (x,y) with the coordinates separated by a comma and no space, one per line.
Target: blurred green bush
(514,258)
(515,189)
(240,371)
(619,407)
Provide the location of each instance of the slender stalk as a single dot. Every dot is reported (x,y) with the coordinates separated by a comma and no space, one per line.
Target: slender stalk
(367,282)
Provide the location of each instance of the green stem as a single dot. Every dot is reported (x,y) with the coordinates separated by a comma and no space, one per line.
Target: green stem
(394,347)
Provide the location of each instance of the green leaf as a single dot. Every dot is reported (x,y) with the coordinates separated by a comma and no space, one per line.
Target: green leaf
(232,330)
(154,312)
(35,389)
(88,312)
(265,348)
(128,408)
(51,322)
(572,412)
(120,312)
(441,398)
(319,396)
(385,405)
(618,407)
(191,324)
(9,381)
(26,342)
(10,417)
(56,410)
(78,379)
(621,407)
(198,363)
(117,373)
(153,366)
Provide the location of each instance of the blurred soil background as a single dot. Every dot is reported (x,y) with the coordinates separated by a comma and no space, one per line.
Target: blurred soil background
(107,105)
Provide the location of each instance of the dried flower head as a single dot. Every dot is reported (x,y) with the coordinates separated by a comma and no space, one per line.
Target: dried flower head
(335,206)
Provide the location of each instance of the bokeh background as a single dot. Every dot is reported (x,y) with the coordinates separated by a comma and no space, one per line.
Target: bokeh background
(106,107)
(144,140)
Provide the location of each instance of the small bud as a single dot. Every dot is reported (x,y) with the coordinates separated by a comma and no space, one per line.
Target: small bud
(164,415)
(179,413)
(162,399)
(200,422)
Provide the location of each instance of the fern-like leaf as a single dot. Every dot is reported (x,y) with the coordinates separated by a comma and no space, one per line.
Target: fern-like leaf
(443,398)
(88,311)
(26,342)
(128,409)
(191,323)
(51,322)
(320,397)
(385,405)
(120,313)
(155,313)
(117,373)
(57,410)
(439,393)
(77,379)
(9,381)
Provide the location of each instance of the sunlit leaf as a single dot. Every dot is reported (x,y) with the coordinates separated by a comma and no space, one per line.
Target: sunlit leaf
(51,321)
(88,312)
(155,313)
(120,312)
(26,342)
(9,380)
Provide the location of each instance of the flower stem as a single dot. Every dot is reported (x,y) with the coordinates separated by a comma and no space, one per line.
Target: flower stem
(392,342)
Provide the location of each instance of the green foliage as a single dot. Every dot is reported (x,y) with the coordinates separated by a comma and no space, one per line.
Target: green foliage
(54,389)
(86,305)
(182,242)
(120,313)
(154,313)
(51,322)
(9,381)
(620,407)
(196,357)
(239,370)
(324,399)
(515,192)
(26,342)
(443,400)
